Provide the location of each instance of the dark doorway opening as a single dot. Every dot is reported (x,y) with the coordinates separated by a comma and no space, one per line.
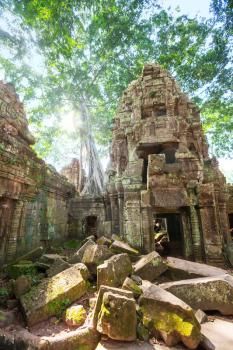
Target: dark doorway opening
(90,226)
(144,171)
(168,227)
(231,224)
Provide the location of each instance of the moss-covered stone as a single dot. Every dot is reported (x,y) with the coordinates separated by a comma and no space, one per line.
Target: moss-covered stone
(95,255)
(114,271)
(75,315)
(22,268)
(117,317)
(150,266)
(207,293)
(45,299)
(122,247)
(102,290)
(131,285)
(170,317)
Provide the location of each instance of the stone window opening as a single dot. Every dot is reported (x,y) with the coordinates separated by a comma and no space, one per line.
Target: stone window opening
(160,111)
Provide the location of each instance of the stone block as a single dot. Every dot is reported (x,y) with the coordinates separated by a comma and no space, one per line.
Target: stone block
(75,316)
(169,316)
(132,286)
(77,257)
(102,290)
(206,293)
(122,247)
(150,266)
(22,268)
(58,266)
(117,317)
(183,269)
(104,241)
(47,298)
(32,255)
(114,271)
(96,255)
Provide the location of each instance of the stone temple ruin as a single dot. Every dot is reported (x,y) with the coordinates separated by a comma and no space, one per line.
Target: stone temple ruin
(163,194)
(160,172)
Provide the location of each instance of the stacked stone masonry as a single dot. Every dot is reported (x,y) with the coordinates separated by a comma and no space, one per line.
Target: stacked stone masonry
(33,196)
(160,172)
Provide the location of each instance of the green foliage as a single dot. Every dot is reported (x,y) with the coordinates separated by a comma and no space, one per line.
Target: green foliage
(72,244)
(4,292)
(223,10)
(90,51)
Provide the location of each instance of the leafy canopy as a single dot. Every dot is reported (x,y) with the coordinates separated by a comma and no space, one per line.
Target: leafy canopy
(91,50)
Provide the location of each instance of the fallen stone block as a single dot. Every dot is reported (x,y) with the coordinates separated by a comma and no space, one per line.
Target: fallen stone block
(169,316)
(117,317)
(150,266)
(122,247)
(104,241)
(75,315)
(77,257)
(132,286)
(206,293)
(83,338)
(179,269)
(32,255)
(95,255)
(219,333)
(23,267)
(201,316)
(91,237)
(206,343)
(47,298)
(58,266)
(114,271)
(50,258)
(21,339)
(102,290)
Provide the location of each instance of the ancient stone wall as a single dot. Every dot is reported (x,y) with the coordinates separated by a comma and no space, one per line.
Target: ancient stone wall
(160,170)
(87,216)
(33,196)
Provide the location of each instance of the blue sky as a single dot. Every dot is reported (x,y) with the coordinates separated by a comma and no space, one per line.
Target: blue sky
(190,7)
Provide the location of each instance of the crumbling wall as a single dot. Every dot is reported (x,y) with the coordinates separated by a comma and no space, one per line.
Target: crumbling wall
(160,166)
(33,196)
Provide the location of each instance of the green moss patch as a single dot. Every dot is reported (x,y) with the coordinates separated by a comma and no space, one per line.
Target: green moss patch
(22,268)
(72,244)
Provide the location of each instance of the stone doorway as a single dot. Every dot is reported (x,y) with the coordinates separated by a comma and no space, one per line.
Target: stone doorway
(90,226)
(171,227)
(231,224)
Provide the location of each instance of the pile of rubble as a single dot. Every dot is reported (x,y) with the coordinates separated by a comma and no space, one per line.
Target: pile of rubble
(106,289)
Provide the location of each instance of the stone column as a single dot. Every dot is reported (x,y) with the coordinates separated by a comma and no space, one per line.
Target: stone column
(120,192)
(115,213)
(196,234)
(147,222)
(187,237)
(15,230)
(6,212)
(210,225)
